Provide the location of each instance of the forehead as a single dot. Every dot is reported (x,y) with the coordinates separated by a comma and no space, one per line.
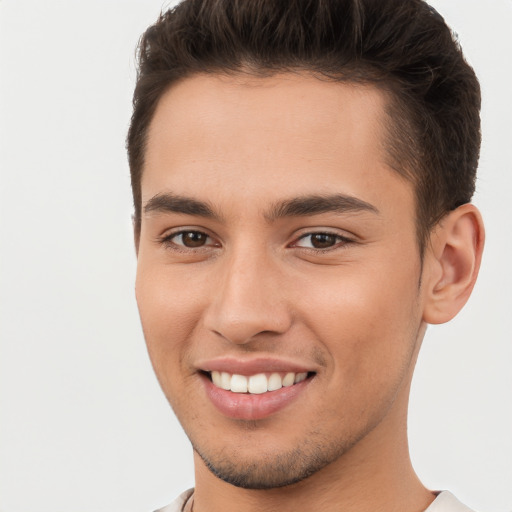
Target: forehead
(257,138)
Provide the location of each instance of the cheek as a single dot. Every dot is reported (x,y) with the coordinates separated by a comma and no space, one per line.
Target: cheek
(368,326)
(367,319)
(169,309)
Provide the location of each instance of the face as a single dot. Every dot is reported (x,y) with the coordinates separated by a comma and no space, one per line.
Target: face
(278,273)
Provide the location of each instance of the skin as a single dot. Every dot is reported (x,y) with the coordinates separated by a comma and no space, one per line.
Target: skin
(354,311)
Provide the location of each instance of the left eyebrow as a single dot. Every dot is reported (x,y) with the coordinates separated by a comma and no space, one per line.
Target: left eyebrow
(317,204)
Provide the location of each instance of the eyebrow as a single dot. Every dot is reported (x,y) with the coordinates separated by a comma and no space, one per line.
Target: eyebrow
(171,203)
(296,207)
(317,204)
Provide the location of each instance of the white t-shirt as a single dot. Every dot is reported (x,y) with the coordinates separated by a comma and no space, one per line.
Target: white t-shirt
(445,502)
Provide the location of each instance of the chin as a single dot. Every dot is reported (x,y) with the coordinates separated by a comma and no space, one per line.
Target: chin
(272,470)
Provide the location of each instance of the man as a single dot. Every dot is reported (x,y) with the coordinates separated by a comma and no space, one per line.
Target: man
(302,175)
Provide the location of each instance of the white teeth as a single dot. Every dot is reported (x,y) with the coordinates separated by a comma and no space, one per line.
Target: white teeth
(225,381)
(300,377)
(239,383)
(258,384)
(275,382)
(216,379)
(289,379)
(255,384)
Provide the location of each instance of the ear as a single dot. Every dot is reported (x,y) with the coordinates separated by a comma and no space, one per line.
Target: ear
(452,261)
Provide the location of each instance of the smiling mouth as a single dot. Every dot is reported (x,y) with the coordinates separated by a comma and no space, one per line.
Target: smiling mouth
(256,384)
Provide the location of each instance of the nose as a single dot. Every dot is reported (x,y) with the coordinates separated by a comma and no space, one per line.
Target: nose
(249,299)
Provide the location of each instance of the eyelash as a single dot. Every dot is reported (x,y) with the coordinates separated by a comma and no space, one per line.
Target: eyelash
(168,241)
(341,242)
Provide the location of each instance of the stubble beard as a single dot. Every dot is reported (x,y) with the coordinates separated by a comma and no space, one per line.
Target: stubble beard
(274,470)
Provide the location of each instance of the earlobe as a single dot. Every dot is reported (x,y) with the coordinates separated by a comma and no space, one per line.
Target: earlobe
(454,257)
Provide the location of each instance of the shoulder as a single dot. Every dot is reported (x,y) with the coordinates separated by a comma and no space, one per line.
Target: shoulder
(447,502)
(178,504)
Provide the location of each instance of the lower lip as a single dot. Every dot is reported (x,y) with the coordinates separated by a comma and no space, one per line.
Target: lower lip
(244,406)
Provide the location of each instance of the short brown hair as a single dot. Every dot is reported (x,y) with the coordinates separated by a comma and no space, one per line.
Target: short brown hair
(403,47)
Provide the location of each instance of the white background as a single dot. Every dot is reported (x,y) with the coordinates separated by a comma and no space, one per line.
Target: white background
(84,426)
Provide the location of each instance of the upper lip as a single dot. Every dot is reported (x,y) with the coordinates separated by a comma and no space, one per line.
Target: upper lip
(252,366)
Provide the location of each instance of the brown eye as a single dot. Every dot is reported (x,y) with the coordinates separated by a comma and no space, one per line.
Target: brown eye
(190,239)
(323,240)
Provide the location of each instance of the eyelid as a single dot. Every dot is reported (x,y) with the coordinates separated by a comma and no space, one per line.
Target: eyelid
(167,239)
(343,240)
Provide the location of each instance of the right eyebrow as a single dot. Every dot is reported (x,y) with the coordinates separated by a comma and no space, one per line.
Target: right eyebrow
(171,203)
